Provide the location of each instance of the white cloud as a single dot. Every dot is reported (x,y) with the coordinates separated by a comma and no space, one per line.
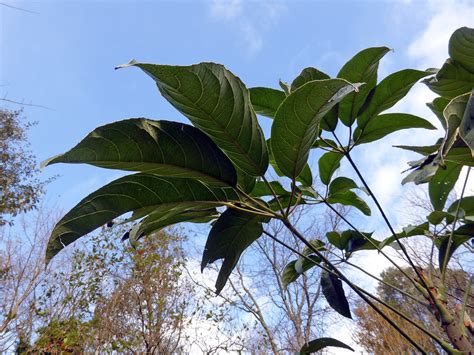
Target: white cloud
(250,20)
(226,9)
(430,49)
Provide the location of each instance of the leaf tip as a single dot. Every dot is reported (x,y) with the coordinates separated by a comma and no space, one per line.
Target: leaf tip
(129,64)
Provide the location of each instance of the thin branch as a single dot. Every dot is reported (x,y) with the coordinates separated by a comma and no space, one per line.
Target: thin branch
(340,275)
(450,240)
(24,104)
(19,8)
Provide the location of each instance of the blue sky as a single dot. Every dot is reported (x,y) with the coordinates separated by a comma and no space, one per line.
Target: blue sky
(62,56)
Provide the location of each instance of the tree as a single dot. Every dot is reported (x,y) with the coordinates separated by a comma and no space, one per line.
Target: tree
(288,315)
(183,173)
(21,271)
(20,189)
(374,334)
(118,298)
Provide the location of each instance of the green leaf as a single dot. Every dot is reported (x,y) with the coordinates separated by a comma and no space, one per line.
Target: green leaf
(329,121)
(160,147)
(296,122)
(334,294)
(453,114)
(461,156)
(291,272)
(436,217)
(262,189)
(360,68)
(351,240)
(437,107)
(305,177)
(466,128)
(466,203)
(350,198)
(461,47)
(218,103)
(321,343)
(340,184)
(245,181)
(326,143)
(442,183)
(467,232)
(162,218)
(382,125)
(132,193)
(451,80)
(408,231)
(307,75)
(388,92)
(233,232)
(265,101)
(424,150)
(328,164)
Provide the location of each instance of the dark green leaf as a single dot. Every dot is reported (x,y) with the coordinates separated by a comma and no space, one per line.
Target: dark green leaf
(409,231)
(388,92)
(218,103)
(329,121)
(350,198)
(291,272)
(326,143)
(297,120)
(453,114)
(321,343)
(466,128)
(160,147)
(424,150)
(245,181)
(132,193)
(262,189)
(461,156)
(437,106)
(233,232)
(265,101)
(452,80)
(461,47)
(163,218)
(334,294)
(436,217)
(467,204)
(444,255)
(307,75)
(442,183)
(305,177)
(328,164)
(351,240)
(382,125)
(360,68)
(340,184)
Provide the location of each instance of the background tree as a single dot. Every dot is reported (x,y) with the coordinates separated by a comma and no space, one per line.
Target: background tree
(288,315)
(375,335)
(21,271)
(20,189)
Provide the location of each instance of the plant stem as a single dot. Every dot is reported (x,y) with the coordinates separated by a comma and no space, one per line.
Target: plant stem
(442,343)
(389,225)
(274,194)
(369,240)
(450,240)
(340,275)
